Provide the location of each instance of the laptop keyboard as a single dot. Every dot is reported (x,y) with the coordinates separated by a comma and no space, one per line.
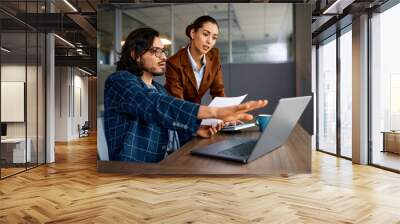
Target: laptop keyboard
(241,150)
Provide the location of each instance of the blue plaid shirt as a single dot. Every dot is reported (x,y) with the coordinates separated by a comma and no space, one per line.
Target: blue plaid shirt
(137,118)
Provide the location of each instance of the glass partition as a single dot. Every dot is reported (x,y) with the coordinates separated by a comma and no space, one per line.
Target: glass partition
(14,54)
(385,89)
(261,33)
(327,96)
(22,90)
(31,98)
(41,97)
(346,93)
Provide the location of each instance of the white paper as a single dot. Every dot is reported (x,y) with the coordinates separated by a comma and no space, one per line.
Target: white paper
(222,102)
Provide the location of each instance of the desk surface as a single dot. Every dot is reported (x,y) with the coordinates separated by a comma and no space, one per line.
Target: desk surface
(292,157)
(390,132)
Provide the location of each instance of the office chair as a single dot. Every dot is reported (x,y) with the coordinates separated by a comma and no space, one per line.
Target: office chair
(84,130)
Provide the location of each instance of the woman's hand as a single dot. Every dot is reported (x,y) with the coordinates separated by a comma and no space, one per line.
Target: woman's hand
(206,131)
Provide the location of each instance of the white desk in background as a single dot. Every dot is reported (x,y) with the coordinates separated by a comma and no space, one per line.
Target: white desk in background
(17,147)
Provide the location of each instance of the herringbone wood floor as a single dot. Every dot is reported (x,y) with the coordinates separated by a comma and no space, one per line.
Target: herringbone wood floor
(71,191)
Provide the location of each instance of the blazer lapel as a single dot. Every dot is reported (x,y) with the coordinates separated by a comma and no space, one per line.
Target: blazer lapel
(188,68)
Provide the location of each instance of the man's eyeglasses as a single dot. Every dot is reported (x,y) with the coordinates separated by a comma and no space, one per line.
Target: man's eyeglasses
(158,52)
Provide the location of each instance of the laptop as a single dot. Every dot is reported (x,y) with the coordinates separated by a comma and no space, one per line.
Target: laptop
(238,127)
(245,150)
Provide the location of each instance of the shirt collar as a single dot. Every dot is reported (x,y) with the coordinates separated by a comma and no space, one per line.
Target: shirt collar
(192,62)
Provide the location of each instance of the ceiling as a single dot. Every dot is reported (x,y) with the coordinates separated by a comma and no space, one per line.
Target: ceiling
(76,26)
(251,22)
(254,24)
(328,17)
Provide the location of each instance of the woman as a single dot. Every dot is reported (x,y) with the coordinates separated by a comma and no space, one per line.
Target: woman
(197,68)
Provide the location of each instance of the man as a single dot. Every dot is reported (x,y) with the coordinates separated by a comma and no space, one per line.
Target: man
(141,119)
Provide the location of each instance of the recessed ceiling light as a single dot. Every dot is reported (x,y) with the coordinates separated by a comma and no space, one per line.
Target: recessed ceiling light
(165,41)
(5,50)
(70,5)
(65,41)
(84,71)
(337,7)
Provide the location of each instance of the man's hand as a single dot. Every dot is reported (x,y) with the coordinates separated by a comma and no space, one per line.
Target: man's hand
(230,115)
(239,112)
(208,131)
(233,123)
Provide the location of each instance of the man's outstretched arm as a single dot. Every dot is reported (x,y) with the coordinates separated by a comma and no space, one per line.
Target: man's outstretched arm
(231,113)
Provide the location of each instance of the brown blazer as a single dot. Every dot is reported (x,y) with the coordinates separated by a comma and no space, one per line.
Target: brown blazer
(181,82)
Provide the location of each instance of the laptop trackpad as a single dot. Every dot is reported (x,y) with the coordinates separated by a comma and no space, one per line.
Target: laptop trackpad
(241,151)
(221,146)
(236,150)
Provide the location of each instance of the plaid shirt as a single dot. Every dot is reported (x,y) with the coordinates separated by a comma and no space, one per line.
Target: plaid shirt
(137,118)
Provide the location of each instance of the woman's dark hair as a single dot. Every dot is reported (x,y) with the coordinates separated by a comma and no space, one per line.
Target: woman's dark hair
(138,41)
(198,23)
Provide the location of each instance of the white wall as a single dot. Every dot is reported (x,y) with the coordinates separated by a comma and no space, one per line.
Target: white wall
(71,102)
(79,117)
(62,81)
(33,126)
(13,73)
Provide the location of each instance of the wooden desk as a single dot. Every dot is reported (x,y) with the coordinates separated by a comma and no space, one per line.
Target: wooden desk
(13,151)
(293,157)
(391,141)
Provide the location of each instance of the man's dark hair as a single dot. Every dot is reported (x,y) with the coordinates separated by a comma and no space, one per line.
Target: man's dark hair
(138,41)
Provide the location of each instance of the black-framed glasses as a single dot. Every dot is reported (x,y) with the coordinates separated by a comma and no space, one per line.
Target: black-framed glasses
(158,52)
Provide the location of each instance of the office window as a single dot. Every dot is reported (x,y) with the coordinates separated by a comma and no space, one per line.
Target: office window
(32,97)
(314,90)
(346,93)
(385,88)
(159,17)
(106,54)
(394,102)
(104,38)
(261,33)
(327,96)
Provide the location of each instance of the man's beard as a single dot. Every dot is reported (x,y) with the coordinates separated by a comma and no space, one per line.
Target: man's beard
(149,71)
(157,73)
